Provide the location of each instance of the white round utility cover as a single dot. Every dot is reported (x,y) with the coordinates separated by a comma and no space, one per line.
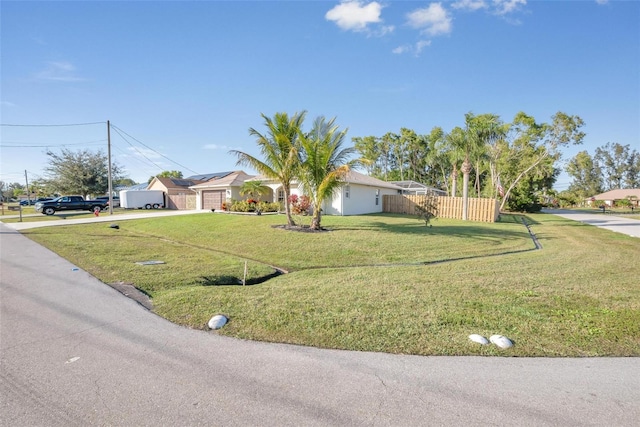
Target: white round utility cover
(479,339)
(501,341)
(217,321)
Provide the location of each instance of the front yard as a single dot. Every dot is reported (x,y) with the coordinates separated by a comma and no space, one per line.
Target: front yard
(379,282)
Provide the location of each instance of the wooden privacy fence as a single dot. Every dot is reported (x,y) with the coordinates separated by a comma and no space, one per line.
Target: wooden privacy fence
(479,209)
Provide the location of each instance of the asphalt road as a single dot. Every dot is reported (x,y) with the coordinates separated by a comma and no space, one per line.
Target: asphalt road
(73,351)
(630,227)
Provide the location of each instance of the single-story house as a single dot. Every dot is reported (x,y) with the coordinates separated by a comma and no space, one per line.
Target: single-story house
(611,197)
(218,189)
(360,194)
(177,192)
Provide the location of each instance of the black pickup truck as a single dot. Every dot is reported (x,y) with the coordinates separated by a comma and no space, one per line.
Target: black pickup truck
(70,203)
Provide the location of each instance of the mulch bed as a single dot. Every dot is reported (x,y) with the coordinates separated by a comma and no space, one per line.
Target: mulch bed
(300,228)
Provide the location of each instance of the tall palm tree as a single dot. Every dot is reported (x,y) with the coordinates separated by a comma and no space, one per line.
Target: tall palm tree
(324,163)
(455,141)
(480,131)
(279,149)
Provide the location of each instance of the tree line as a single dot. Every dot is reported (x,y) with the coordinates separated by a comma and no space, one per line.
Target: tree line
(514,161)
(612,166)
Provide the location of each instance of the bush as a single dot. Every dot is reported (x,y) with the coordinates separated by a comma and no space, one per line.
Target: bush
(253,206)
(268,206)
(300,205)
(427,208)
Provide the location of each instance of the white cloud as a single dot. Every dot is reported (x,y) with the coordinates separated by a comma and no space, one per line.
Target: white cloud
(504,7)
(416,49)
(602,1)
(145,153)
(471,5)
(401,49)
(421,45)
(355,15)
(384,29)
(433,20)
(217,147)
(61,71)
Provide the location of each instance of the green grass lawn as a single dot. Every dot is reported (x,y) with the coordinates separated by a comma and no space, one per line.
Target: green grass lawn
(30,215)
(379,282)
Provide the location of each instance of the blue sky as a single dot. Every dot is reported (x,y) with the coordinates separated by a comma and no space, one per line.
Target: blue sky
(185,81)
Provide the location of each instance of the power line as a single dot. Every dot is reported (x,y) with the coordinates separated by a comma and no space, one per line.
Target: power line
(135,148)
(146,146)
(21,145)
(139,160)
(43,125)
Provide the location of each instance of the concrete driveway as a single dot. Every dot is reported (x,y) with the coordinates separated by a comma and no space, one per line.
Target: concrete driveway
(73,351)
(630,227)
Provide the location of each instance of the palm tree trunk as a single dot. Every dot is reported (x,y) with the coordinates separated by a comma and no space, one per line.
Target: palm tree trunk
(315,221)
(287,208)
(454,181)
(466,170)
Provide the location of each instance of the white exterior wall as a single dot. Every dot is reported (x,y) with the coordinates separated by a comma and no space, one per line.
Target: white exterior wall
(361,200)
(275,189)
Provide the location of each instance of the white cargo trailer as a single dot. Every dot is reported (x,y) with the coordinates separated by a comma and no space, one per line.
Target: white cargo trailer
(142,199)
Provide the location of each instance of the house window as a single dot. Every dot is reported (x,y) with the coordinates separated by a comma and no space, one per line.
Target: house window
(281,195)
(347,190)
(377,197)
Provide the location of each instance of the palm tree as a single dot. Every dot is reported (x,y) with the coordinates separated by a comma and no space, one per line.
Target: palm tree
(279,148)
(479,131)
(324,163)
(455,141)
(254,189)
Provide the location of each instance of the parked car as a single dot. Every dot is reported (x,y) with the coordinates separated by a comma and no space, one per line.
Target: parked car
(33,202)
(69,203)
(116,200)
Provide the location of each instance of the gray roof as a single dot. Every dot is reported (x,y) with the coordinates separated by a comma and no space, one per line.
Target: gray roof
(184,182)
(135,187)
(209,176)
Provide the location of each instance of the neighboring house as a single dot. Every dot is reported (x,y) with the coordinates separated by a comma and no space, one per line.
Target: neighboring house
(177,191)
(610,197)
(218,189)
(414,188)
(360,194)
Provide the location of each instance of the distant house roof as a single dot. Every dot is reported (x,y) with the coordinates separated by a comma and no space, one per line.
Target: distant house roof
(232,179)
(618,194)
(414,187)
(174,183)
(352,177)
(137,187)
(209,176)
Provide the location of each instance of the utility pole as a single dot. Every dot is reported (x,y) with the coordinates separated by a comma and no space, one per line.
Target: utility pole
(109,167)
(28,192)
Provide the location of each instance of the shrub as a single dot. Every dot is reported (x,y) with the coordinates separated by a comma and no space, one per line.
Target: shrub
(300,205)
(427,208)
